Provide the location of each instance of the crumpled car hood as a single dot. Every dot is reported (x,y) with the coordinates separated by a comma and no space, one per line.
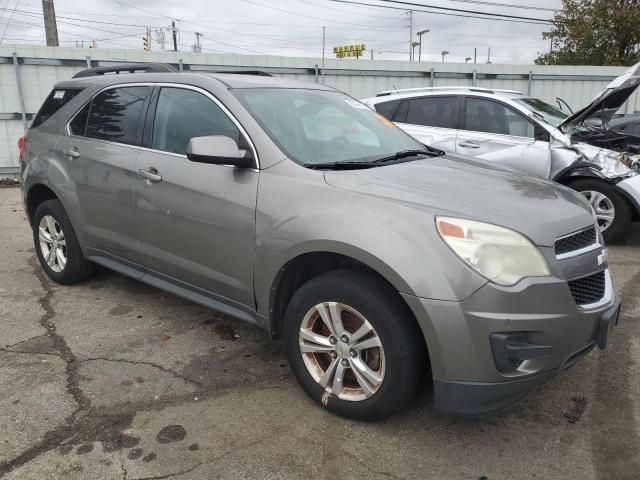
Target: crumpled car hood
(469,188)
(608,101)
(612,164)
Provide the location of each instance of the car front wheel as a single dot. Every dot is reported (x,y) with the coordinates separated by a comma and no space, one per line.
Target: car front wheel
(612,209)
(353,344)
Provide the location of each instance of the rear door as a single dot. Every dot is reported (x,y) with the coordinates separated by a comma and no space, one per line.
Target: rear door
(98,152)
(195,221)
(493,131)
(433,120)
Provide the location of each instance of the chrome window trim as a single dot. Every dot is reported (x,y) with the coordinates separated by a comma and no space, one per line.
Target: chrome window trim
(222,107)
(607,297)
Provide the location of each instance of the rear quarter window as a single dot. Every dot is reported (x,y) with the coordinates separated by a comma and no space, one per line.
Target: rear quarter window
(57,99)
(387,109)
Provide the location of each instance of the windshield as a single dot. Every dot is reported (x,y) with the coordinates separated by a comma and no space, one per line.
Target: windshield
(316,127)
(549,113)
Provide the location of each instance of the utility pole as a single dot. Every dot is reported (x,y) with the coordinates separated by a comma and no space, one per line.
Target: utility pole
(197,48)
(489,55)
(372,54)
(50,26)
(444,53)
(324,40)
(475,54)
(175,36)
(410,13)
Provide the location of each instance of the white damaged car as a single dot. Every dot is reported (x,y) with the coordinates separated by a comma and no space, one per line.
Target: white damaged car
(508,128)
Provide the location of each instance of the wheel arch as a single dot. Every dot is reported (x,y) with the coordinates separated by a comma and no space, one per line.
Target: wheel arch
(36,195)
(304,266)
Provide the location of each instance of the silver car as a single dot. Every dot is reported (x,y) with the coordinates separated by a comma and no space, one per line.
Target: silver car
(510,129)
(380,262)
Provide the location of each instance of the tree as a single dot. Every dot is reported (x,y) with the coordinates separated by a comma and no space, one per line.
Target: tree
(594,32)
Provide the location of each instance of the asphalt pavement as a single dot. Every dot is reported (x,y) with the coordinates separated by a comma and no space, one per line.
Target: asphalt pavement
(113,379)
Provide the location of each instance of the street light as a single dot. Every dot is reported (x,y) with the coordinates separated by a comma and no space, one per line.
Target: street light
(466,60)
(413,48)
(444,52)
(420,33)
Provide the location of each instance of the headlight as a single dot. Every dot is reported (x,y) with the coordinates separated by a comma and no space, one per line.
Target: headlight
(497,253)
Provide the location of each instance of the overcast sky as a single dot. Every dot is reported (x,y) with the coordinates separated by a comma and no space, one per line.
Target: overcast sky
(288,27)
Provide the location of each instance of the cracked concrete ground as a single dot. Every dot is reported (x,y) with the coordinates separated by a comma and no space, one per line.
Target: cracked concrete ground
(112,379)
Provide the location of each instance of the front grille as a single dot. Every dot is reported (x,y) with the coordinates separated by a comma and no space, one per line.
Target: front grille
(571,243)
(587,290)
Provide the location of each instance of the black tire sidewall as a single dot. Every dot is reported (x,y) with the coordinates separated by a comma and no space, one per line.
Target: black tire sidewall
(401,339)
(622,206)
(76,268)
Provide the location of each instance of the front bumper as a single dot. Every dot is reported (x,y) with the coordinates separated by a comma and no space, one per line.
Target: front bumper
(468,377)
(479,398)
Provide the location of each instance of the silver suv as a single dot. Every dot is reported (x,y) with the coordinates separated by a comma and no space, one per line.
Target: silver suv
(379,261)
(510,129)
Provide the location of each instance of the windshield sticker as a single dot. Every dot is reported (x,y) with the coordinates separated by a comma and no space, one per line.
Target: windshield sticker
(58,94)
(355,104)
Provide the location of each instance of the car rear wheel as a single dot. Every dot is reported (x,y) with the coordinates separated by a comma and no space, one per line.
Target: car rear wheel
(56,245)
(613,211)
(353,344)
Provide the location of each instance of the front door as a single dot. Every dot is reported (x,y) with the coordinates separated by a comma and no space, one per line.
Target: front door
(497,133)
(195,221)
(99,154)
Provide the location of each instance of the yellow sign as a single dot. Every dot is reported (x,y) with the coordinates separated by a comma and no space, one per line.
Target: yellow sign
(349,50)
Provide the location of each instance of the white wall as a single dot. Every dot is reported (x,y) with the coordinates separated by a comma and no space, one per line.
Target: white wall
(360,78)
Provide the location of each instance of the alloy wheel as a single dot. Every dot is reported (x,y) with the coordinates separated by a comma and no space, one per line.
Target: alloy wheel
(603,206)
(53,245)
(342,351)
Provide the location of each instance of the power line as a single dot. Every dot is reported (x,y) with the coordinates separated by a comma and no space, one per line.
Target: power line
(533,21)
(507,5)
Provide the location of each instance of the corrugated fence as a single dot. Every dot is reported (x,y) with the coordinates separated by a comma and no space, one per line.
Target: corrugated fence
(28,73)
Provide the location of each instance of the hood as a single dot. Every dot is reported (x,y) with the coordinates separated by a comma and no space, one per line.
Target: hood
(469,188)
(607,102)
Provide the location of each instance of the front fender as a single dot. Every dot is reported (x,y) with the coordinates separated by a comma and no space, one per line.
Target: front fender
(399,241)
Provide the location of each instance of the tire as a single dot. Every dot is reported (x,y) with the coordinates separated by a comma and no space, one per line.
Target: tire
(52,215)
(622,214)
(400,360)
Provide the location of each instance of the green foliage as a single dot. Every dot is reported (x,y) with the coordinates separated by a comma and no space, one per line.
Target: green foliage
(594,32)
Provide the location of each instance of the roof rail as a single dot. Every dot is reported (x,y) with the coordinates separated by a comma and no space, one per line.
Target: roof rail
(258,73)
(431,89)
(126,68)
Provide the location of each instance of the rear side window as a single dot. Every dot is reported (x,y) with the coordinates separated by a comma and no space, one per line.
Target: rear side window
(182,114)
(78,124)
(57,99)
(387,109)
(115,114)
(433,112)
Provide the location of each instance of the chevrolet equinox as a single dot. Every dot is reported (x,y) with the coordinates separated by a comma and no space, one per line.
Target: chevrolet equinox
(378,260)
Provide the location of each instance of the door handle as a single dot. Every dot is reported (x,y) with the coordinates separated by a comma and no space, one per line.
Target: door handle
(150,174)
(71,152)
(468,144)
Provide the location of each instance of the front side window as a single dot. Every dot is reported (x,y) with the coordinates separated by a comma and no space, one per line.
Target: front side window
(182,114)
(318,126)
(549,113)
(433,112)
(482,115)
(115,114)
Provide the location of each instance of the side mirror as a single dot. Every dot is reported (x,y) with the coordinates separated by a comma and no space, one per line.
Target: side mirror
(218,150)
(539,133)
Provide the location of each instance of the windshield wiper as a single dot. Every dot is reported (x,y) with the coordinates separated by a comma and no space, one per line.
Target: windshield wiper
(371,163)
(400,155)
